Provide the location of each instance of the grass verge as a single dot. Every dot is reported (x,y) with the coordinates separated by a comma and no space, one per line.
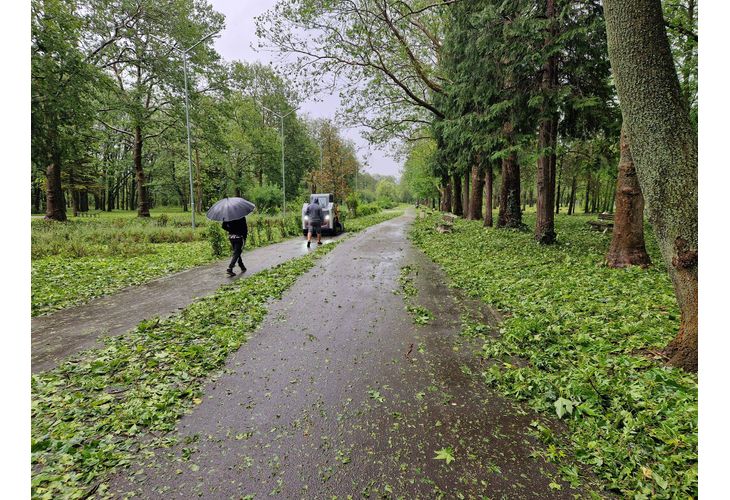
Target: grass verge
(77,261)
(102,408)
(579,343)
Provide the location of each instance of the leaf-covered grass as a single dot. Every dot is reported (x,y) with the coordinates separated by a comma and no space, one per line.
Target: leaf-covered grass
(59,282)
(100,409)
(360,223)
(85,258)
(576,344)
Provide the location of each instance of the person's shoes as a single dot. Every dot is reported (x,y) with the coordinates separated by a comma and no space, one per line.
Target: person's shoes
(308,244)
(243,268)
(230,272)
(319,243)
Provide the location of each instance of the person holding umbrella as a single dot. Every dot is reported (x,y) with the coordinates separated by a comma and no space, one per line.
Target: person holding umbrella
(237,234)
(232,212)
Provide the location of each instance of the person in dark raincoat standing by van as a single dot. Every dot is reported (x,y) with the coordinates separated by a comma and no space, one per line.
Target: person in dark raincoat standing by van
(314,213)
(237,234)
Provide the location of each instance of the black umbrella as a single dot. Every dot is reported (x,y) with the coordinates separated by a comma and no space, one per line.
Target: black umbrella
(229,209)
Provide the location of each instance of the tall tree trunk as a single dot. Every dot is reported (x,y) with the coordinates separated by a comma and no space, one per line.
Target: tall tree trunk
(477,186)
(143,208)
(488,192)
(571,201)
(586,206)
(627,244)
(55,209)
(73,193)
(664,145)
(84,200)
(445,194)
(465,195)
(547,140)
(457,201)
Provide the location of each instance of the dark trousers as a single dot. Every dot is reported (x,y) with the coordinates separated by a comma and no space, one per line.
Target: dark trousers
(237,244)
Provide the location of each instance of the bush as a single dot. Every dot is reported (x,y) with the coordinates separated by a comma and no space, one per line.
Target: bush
(217,239)
(386,203)
(265,197)
(368,209)
(352,202)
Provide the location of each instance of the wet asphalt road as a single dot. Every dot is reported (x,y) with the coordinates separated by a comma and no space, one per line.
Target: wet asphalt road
(60,334)
(339,393)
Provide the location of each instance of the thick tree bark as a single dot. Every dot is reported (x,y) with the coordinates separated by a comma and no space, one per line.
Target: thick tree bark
(55,209)
(664,146)
(627,244)
(488,192)
(143,208)
(477,185)
(457,201)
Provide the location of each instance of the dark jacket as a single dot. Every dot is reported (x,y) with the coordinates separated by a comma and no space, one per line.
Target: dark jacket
(237,227)
(314,212)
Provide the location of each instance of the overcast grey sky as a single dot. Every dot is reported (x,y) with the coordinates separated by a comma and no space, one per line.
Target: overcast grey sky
(236,42)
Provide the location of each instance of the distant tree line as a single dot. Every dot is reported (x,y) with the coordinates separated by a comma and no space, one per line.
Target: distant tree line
(108,115)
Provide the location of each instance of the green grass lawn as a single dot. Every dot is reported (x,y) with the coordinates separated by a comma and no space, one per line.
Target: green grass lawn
(576,344)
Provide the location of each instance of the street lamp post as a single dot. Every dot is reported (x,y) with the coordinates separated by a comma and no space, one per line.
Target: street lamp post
(187,118)
(184,53)
(283,178)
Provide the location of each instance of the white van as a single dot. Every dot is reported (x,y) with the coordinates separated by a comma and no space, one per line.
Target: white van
(330,213)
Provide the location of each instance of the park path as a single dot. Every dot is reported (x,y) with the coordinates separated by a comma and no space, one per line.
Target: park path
(339,393)
(56,336)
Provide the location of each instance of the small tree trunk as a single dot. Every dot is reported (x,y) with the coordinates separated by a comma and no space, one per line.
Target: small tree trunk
(627,245)
(143,209)
(477,186)
(488,198)
(457,201)
(586,205)
(55,209)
